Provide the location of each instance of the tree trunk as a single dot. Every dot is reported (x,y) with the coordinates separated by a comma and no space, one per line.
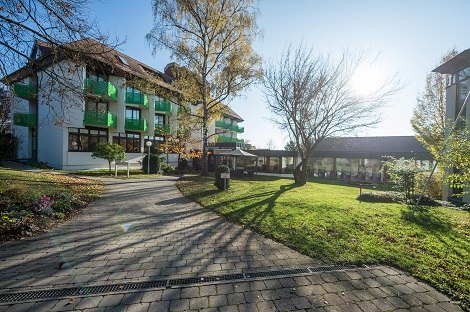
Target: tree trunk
(109,163)
(204,166)
(300,173)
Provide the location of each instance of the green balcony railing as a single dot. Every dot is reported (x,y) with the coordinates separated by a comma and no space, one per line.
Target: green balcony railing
(137,98)
(27,92)
(224,139)
(162,129)
(91,118)
(229,126)
(222,124)
(136,124)
(24,119)
(163,106)
(237,128)
(104,88)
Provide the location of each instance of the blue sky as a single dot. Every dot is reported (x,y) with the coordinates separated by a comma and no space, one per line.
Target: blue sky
(409,35)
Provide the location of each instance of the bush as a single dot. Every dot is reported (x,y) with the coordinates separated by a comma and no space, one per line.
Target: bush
(403,173)
(381,197)
(155,164)
(219,182)
(168,169)
(434,189)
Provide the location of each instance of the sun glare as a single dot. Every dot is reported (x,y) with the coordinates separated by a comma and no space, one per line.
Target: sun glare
(367,79)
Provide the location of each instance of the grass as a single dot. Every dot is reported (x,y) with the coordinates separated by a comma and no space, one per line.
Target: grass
(326,221)
(32,202)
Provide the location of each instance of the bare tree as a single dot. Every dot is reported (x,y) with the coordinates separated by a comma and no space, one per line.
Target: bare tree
(270,145)
(212,40)
(311,97)
(60,26)
(429,115)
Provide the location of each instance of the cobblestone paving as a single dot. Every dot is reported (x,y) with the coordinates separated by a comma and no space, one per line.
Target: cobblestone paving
(143,230)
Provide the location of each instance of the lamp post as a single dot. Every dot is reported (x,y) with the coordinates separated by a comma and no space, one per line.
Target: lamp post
(148,143)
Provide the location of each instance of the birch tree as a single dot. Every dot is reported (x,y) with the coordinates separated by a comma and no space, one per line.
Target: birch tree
(212,41)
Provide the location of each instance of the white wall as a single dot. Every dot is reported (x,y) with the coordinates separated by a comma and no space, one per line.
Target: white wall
(60,106)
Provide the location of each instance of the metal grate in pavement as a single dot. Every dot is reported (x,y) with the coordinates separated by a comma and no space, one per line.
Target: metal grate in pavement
(79,291)
(205,279)
(101,289)
(276,273)
(330,268)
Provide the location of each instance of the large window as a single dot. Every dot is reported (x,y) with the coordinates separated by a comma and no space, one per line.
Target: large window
(129,140)
(85,139)
(99,107)
(132,113)
(159,119)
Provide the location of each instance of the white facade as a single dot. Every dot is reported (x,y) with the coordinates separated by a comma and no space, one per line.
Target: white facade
(62,134)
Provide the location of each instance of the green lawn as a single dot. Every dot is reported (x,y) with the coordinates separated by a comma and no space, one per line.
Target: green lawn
(326,221)
(32,202)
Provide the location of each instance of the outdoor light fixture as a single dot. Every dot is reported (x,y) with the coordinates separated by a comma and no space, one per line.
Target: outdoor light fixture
(148,143)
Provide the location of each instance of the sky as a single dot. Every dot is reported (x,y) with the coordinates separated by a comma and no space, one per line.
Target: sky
(406,38)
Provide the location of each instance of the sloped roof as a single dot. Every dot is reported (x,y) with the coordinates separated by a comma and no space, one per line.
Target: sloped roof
(117,63)
(458,62)
(373,147)
(273,153)
(230,113)
(362,147)
(238,152)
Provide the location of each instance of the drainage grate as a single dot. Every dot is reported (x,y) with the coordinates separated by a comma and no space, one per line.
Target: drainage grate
(205,279)
(276,273)
(78,291)
(331,268)
(100,289)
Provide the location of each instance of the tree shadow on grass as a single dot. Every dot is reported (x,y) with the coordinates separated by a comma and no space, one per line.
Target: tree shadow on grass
(269,202)
(426,219)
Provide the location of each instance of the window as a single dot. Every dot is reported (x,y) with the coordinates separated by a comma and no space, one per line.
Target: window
(99,107)
(123,60)
(85,139)
(156,141)
(136,92)
(95,76)
(132,113)
(129,140)
(159,119)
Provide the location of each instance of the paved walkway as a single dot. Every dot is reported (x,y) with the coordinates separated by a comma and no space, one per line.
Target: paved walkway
(144,230)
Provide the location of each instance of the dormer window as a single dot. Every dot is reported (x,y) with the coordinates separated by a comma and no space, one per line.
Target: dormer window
(123,60)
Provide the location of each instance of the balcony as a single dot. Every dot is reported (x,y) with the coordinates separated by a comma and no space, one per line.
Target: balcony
(225,139)
(91,118)
(25,119)
(163,106)
(237,128)
(136,124)
(138,98)
(27,92)
(162,130)
(229,126)
(222,124)
(102,88)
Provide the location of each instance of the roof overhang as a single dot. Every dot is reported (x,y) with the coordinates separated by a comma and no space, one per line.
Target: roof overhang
(458,62)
